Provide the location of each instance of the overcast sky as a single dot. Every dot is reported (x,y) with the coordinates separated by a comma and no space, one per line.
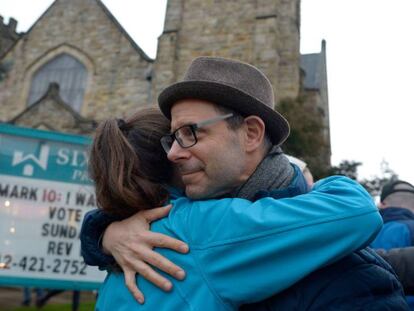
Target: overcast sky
(370,51)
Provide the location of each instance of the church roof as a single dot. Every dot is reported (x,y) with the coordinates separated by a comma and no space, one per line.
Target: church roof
(314,66)
(110,16)
(52,94)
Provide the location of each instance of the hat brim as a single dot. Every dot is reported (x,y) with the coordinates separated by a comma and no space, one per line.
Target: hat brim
(276,125)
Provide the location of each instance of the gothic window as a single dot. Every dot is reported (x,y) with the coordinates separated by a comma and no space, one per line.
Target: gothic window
(68,72)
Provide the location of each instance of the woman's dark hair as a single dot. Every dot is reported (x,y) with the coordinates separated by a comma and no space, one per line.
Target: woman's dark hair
(128,164)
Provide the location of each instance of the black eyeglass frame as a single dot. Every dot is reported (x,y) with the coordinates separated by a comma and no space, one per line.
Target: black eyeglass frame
(193,127)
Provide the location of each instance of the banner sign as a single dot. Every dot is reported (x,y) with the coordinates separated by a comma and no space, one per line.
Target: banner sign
(45,192)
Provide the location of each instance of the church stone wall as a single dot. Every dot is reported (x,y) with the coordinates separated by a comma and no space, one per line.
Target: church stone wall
(264,33)
(117,71)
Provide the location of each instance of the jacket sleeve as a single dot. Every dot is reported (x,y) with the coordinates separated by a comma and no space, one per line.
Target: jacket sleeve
(249,251)
(93,226)
(402,261)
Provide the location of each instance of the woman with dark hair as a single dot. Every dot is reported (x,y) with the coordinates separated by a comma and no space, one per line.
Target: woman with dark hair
(235,244)
(128,165)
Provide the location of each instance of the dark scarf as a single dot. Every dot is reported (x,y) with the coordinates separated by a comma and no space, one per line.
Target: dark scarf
(274,172)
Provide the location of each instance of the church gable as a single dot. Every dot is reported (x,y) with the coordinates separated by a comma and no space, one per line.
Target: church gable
(50,112)
(116,67)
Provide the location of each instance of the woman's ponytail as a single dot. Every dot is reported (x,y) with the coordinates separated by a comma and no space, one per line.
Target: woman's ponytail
(125,163)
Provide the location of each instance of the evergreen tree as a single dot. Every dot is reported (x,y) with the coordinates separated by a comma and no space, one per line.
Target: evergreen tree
(306,140)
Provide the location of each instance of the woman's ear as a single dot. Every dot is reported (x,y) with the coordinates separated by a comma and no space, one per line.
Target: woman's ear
(254,133)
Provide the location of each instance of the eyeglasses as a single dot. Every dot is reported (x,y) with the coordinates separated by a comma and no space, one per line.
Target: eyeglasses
(186,135)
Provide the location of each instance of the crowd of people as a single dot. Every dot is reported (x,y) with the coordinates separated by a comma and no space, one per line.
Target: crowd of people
(200,209)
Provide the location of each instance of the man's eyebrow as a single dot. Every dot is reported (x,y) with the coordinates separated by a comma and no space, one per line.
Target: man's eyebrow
(180,124)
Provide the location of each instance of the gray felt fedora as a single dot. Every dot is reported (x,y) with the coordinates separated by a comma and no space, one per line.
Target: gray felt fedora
(232,84)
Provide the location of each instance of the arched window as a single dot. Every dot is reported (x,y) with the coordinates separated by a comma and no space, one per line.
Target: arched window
(68,72)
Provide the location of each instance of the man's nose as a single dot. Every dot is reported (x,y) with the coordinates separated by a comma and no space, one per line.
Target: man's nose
(177,153)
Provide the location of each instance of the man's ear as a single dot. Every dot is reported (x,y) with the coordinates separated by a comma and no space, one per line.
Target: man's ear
(254,133)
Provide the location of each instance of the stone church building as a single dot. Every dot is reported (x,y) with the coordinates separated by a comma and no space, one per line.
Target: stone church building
(76,65)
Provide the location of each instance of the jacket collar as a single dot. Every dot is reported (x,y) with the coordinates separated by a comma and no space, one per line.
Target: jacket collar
(396,213)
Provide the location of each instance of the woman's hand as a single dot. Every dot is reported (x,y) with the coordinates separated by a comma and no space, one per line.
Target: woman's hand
(131,244)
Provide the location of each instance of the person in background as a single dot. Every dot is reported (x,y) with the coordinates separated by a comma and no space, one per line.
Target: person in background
(396,208)
(304,169)
(27,295)
(400,259)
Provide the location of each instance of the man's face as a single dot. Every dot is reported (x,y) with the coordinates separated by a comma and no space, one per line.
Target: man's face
(215,164)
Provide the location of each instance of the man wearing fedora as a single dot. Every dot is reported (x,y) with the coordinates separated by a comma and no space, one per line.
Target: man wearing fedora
(225,142)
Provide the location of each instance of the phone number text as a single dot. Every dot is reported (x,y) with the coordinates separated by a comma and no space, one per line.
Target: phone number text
(40,264)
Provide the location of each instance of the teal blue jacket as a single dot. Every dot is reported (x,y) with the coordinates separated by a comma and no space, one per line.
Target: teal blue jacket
(235,246)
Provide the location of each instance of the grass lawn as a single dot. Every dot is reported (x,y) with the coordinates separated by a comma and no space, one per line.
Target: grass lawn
(84,306)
